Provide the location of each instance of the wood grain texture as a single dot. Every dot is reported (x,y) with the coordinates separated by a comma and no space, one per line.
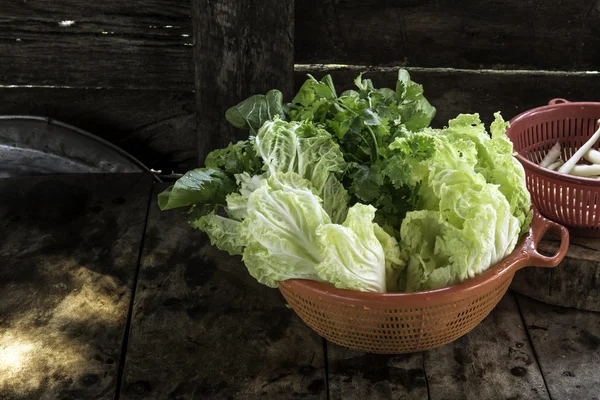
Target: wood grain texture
(97,44)
(459,34)
(241,49)
(493,361)
(157,127)
(459,91)
(356,376)
(203,328)
(148,44)
(574,283)
(69,252)
(567,344)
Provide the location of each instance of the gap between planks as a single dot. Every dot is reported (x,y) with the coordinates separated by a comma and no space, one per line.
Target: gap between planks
(125,342)
(530,340)
(347,67)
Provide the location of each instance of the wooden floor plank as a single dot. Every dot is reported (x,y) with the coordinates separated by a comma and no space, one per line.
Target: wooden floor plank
(202,327)
(69,249)
(358,376)
(493,361)
(567,343)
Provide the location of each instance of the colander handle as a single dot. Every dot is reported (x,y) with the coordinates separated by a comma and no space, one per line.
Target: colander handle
(540,226)
(557,101)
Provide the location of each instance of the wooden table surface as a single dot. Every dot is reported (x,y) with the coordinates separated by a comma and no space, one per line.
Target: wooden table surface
(104,296)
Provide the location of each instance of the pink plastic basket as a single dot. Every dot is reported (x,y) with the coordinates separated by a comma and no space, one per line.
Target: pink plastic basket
(571,201)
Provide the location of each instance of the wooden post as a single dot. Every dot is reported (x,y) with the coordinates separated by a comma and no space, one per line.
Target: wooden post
(240,48)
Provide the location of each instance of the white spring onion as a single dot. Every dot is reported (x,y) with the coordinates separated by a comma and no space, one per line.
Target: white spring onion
(555,165)
(570,163)
(586,170)
(592,156)
(551,156)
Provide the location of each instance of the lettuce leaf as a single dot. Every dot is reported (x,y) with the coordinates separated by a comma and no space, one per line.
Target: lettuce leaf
(309,151)
(283,217)
(495,161)
(463,224)
(224,233)
(353,256)
(299,147)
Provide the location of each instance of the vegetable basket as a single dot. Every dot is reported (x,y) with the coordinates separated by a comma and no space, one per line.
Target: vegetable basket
(570,200)
(394,323)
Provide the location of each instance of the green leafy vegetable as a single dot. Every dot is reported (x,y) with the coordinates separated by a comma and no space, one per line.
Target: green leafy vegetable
(198,186)
(223,232)
(299,147)
(463,224)
(394,261)
(235,159)
(495,161)
(309,151)
(283,217)
(356,190)
(253,112)
(335,199)
(353,257)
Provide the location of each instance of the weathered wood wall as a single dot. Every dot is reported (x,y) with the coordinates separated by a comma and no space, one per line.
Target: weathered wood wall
(513,34)
(125,71)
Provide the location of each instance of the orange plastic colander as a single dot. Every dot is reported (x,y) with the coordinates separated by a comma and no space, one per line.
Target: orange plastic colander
(394,323)
(569,200)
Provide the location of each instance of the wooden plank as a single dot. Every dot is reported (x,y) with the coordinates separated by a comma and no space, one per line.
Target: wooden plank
(69,251)
(157,127)
(241,50)
(97,44)
(461,91)
(567,344)
(460,34)
(574,283)
(494,361)
(354,375)
(148,44)
(202,327)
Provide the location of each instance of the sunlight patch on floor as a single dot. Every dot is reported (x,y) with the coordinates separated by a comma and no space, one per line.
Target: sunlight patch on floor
(78,334)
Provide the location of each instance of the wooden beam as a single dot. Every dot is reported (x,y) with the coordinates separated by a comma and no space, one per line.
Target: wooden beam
(110,44)
(496,34)
(240,49)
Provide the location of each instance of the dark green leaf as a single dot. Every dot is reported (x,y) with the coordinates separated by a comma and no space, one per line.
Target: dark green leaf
(312,90)
(235,158)
(366,182)
(255,110)
(197,211)
(369,117)
(198,186)
(417,115)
